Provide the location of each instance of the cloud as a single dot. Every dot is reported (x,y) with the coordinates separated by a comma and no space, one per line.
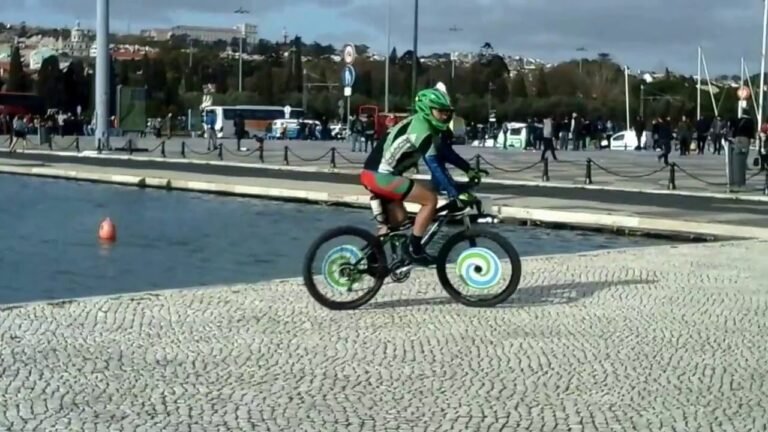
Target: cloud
(641,34)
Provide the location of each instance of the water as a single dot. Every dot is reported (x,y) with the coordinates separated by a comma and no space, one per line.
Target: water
(175,239)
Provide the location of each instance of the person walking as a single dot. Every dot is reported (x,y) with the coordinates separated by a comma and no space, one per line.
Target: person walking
(684,136)
(548,133)
(19,134)
(702,131)
(665,140)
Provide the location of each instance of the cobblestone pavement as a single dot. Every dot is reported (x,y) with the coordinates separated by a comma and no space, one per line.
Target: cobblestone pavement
(623,169)
(661,339)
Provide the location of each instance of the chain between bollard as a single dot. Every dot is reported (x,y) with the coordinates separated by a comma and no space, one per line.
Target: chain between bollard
(671,183)
(545,170)
(588,174)
(333,157)
(184,149)
(285,155)
(221,151)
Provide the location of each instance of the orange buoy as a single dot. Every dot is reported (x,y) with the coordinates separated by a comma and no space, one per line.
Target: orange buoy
(107,231)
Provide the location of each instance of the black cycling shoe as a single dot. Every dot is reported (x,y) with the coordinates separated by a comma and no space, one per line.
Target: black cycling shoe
(422,260)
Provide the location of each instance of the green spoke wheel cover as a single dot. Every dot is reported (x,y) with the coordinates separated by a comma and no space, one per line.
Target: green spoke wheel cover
(336,262)
(479,268)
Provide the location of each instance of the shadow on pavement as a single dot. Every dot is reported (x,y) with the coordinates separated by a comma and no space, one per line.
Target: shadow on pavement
(543,295)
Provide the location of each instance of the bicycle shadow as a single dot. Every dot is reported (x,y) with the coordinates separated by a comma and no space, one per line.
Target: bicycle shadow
(536,296)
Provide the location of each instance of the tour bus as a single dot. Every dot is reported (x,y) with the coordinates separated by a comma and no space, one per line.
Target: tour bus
(21,104)
(256,117)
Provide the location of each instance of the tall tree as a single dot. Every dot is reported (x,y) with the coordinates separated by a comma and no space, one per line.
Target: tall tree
(393,56)
(76,88)
(542,89)
(18,81)
(519,88)
(50,83)
(297,68)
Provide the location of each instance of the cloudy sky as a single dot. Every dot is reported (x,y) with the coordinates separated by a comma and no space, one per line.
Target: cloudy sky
(649,34)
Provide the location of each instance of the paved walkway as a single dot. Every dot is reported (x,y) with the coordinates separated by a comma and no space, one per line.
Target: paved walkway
(657,339)
(634,170)
(571,206)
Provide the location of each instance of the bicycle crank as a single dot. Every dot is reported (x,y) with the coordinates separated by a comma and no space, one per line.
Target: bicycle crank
(400,271)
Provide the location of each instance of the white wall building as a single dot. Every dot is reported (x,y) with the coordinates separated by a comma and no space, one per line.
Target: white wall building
(203,33)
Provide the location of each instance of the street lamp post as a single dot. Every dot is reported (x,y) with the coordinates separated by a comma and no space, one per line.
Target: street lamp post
(386,56)
(453,29)
(580,49)
(762,68)
(241,11)
(415,57)
(491,87)
(102,73)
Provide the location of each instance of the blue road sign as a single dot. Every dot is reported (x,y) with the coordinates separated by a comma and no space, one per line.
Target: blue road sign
(348,76)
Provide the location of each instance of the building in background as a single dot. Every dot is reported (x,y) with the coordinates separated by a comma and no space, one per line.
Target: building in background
(79,43)
(202,33)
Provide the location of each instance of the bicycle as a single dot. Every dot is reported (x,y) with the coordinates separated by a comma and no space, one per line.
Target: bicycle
(478,268)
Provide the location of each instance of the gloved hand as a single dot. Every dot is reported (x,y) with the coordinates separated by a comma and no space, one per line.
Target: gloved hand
(475,175)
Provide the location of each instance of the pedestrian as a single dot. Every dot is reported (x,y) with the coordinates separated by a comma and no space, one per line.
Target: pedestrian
(702,131)
(716,134)
(19,134)
(743,131)
(684,136)
(665,139)
(639,128)
(547,135)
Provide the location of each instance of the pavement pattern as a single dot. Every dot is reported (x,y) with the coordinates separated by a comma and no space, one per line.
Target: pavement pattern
(660,339)
(611,168)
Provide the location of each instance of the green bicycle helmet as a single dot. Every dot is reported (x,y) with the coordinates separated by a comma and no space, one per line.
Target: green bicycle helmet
(429,99)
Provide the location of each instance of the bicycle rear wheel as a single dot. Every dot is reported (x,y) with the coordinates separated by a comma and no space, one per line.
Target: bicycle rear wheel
(356,267)
(479,269)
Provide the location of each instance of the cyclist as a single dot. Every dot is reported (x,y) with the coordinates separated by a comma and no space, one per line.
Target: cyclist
(418,136)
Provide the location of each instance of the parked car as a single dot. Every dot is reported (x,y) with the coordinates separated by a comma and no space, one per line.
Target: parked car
(626,140)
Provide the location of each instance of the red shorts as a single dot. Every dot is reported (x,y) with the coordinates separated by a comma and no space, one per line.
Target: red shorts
(386,186)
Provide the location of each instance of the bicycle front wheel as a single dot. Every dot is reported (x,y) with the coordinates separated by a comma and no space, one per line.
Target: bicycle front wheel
(478,268)
(345,268)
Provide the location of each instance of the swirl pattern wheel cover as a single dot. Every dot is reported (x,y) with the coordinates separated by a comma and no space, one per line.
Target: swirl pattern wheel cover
(335,261)
(479,268)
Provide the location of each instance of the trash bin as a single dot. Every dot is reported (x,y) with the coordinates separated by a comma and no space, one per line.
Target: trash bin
(738,153)
(44,136)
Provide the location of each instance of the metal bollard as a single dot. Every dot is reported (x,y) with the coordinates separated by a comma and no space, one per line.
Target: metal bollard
(77,144)
(183,149)
(98,145)
(50,144)
(221,151)
(588,174)
(765,184)
(285,155)
(162,148)
(261,153)
(477,162)
(333,157)
(671,185)
(545,171)
(130,146)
